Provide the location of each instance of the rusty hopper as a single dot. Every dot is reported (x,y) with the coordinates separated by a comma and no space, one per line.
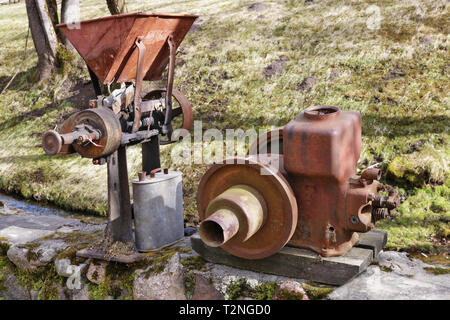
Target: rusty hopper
(108,44)
(124,48)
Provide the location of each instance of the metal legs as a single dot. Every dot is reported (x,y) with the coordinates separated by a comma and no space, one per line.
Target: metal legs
(150,155)
(119,197)
(119,226)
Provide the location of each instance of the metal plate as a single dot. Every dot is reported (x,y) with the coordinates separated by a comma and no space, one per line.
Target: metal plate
(101,255)
(282,206)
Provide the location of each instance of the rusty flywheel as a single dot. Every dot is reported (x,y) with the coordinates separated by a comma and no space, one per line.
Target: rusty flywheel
(278,203)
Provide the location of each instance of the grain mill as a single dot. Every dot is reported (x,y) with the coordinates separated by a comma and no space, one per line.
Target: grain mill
(129,49)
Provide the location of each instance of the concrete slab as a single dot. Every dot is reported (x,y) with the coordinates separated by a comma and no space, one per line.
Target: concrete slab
(18,235)
(375,284)
(36,221)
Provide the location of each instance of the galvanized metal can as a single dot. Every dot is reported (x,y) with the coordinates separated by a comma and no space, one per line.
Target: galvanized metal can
(158,210)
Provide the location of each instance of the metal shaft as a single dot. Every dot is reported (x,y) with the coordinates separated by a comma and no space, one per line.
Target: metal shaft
(238,212)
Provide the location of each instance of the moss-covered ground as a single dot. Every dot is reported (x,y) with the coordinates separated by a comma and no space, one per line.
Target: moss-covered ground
(395,75)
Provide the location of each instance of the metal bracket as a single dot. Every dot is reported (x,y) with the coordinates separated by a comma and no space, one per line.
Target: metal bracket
(139,78)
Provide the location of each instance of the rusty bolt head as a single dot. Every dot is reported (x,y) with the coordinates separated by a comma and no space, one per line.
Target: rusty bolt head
(92,104)
(371,174)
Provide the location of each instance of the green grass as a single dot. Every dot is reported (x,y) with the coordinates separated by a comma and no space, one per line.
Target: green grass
(397,77)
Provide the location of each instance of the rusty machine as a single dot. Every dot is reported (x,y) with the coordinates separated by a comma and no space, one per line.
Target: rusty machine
(313,199)
(127,49)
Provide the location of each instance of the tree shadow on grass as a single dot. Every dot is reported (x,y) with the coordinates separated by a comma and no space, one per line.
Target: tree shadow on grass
(79,94)
(35,157)
(374,125)
(20,82)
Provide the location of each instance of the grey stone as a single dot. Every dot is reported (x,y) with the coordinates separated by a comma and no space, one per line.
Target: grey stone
(374,240)
(166,285)
(66,229)
(18,256)
(403,279)
(223,276)
(18,235)
(63,267)
(81,294)
(41,256)
(292,287)
(204,290)
(34,294)
(14,291)
(62,294)
(8,211)
(26,220)
(96,271)
(195,27)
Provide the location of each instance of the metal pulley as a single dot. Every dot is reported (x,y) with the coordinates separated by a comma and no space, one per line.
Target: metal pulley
(181,115)
(246,207)
(93,133)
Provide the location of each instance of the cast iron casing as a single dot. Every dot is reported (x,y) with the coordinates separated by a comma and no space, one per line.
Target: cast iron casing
(321,148)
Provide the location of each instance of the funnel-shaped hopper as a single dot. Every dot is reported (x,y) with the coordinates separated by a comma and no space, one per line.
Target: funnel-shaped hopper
(108,44)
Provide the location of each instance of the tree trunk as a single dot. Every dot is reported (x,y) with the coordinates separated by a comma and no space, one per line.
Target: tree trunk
(52,7)
(116,6)
(44,37)
(70,13)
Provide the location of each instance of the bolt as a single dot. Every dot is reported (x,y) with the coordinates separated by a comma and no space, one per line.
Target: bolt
(92,104)
(354,219)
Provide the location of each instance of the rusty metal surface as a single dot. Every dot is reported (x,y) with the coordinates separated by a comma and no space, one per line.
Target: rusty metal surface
(239,212)
(371,174)
(323,144)
(265,142)
(281,204)
(321,148)
(102,255)
(52,142)
(108,44)
(105,121)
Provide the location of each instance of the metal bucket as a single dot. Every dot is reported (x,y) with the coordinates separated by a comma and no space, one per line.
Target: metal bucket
(158,210)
